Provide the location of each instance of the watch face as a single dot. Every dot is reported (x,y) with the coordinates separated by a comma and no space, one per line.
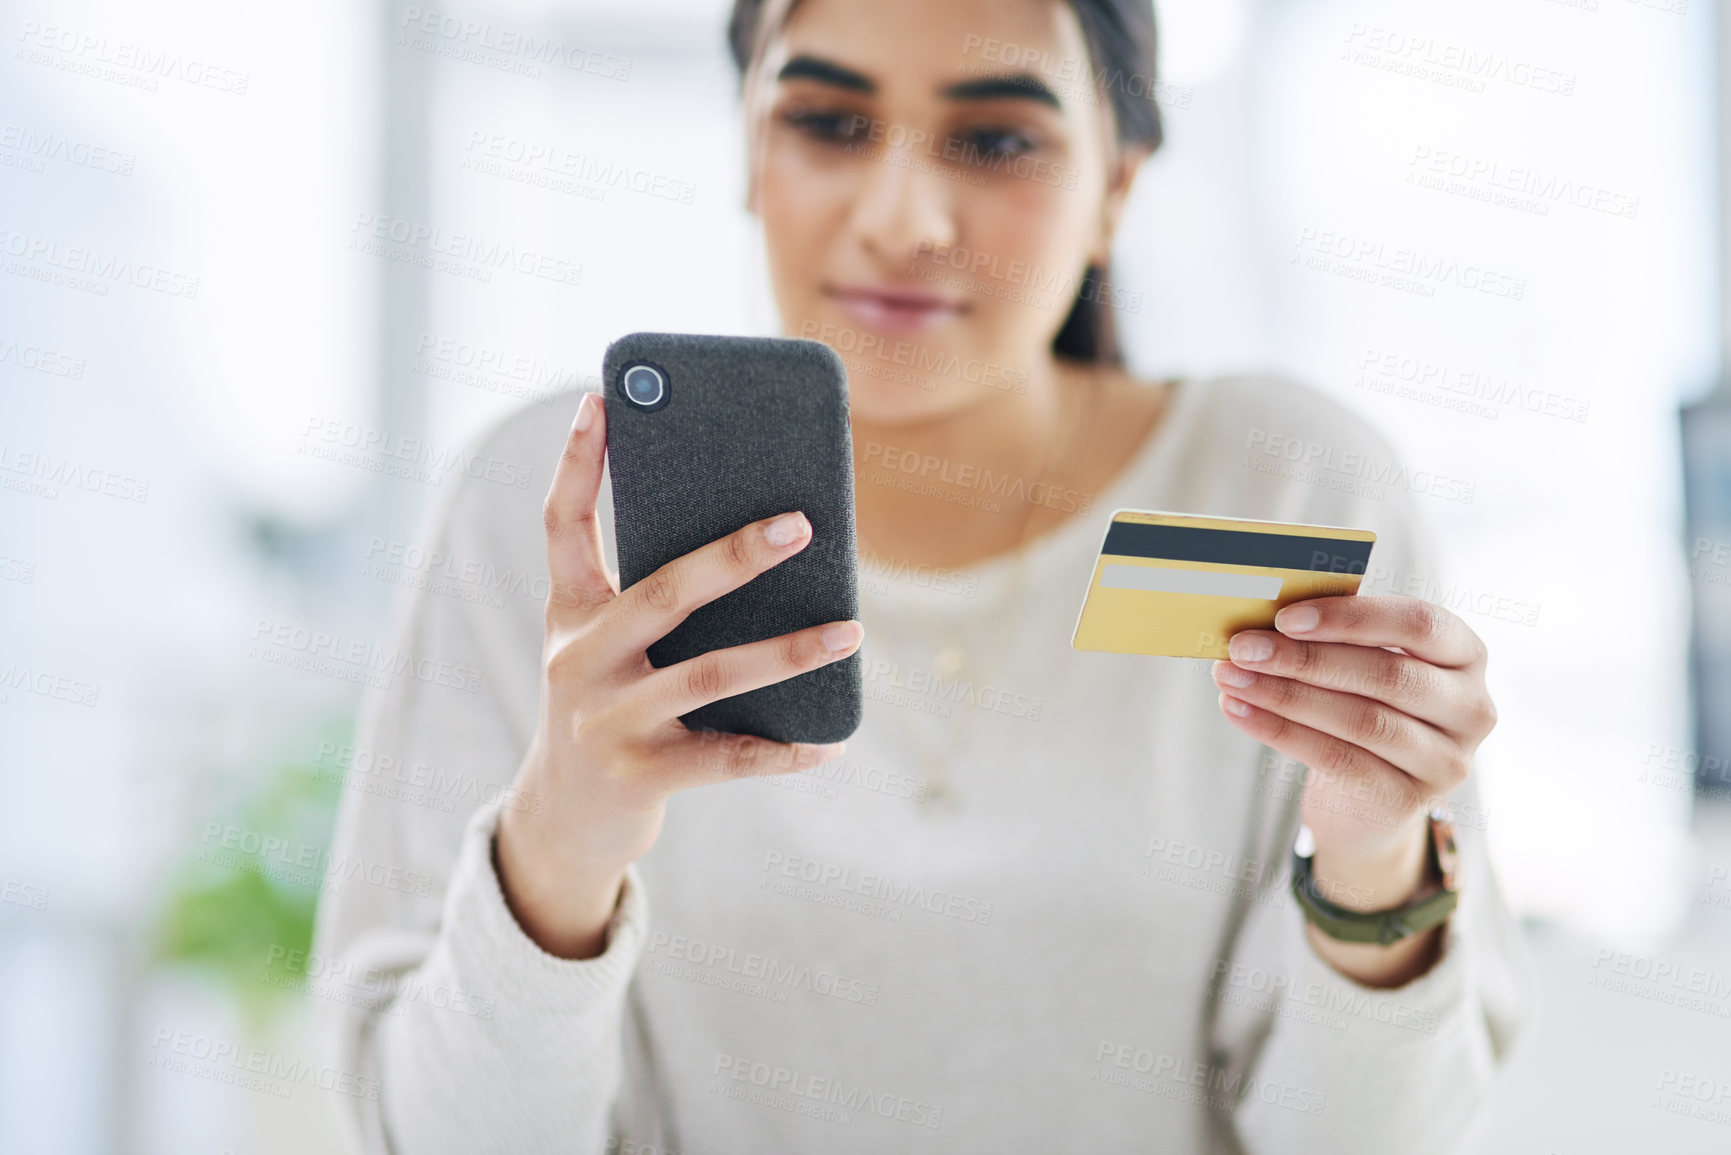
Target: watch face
(1443,838)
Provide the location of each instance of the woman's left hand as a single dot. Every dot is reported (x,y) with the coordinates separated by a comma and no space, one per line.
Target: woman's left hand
(1384,699)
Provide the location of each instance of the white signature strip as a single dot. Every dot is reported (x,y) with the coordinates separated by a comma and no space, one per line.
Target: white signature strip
(1265,587)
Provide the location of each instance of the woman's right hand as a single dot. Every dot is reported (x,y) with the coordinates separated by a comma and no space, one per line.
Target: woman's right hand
(609,747)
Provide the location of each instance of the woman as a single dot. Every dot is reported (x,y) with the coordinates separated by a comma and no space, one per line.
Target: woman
(1039,903)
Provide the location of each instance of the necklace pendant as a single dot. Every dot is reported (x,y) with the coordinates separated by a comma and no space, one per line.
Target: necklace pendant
(949,660)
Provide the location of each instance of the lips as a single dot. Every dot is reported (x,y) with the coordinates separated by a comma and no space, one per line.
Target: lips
(894,310)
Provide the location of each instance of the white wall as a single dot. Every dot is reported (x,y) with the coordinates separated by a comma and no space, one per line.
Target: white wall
(1277,133)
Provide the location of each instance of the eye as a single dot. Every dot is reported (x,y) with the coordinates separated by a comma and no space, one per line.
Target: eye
(830,126)
(987,145)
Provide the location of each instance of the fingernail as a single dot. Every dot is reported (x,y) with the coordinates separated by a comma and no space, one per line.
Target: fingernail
(1234,707)
(1296,619)
(585,413)
(784,530)
(1232,675)
(840,635)
(1250,648)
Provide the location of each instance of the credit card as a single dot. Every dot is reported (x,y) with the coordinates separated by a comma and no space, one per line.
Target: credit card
(1180,585)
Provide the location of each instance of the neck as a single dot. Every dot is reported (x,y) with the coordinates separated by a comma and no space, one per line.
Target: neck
(967,484)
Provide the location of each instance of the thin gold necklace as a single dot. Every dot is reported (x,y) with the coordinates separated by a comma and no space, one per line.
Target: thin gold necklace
(952,657)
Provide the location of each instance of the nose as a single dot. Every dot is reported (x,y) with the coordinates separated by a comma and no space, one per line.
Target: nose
(906,206)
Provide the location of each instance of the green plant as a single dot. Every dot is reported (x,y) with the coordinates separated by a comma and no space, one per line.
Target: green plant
(242,904)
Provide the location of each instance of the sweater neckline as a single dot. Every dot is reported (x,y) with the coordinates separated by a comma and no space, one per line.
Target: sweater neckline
(1075,536)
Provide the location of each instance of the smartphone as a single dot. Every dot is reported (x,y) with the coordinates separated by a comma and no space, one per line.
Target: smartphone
(704,436)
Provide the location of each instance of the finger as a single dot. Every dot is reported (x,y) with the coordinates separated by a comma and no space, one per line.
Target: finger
(1388,794)
(653,606)
(706,756)
(684,686)
(1402,741)
(576,565)
(1420,628)
(1433,694)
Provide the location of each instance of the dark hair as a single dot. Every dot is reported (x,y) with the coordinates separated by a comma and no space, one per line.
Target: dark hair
(1121,49)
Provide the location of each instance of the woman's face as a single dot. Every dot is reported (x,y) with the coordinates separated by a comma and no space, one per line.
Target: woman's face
(933,177)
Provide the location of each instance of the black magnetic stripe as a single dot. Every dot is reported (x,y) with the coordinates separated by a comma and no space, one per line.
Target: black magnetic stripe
(1236,547)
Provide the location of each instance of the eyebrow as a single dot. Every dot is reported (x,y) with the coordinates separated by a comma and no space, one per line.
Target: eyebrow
(1014,85)
(826,72)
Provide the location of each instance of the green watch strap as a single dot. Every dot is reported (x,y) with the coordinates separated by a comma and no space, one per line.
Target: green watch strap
(1383,927)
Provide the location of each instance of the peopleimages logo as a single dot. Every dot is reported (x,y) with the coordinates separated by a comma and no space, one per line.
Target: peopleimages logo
(728,963)
(1513,186)
(315,974)
(1257,987)
(866,131)
(1400,266)
(41,474)
(890,891)
(989,274)
(463,254)
(45,684)
(40,360)
(1452,64)
(412,458)
(290,860)
(917,358)
(255,1068)
(40,146)
(544,164)
(472,579)
(1461,389)
(796,1092)
(899,463)
(284,643)
(89,269)
(1076,74)
(136,65)
(934,692)
(1158,1073)
(36,898)
(502,47)
(1326,464)
(394,776)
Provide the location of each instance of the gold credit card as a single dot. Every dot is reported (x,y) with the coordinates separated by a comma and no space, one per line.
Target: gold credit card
(1179,585)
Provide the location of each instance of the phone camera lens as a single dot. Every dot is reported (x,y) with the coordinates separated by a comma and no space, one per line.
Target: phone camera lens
(644,386)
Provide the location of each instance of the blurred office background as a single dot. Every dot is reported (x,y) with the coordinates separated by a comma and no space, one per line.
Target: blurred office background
(194,297)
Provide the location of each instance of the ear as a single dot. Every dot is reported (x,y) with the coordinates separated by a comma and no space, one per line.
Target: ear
(1120,177)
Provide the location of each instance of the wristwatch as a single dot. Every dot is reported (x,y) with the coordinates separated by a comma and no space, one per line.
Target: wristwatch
(1430,907)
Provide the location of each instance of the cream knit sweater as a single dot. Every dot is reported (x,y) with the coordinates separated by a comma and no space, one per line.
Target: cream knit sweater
(1083,942)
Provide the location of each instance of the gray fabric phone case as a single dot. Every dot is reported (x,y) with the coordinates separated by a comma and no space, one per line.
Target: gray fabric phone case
(749,427)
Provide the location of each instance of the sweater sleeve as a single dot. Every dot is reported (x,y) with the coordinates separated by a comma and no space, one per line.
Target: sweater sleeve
(1325,1064)
(469,1037)
(496,1045)
(1328,1065)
